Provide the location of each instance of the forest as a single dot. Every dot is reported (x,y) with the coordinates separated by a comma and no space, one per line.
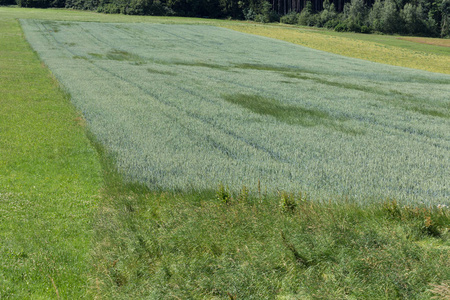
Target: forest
(409,17)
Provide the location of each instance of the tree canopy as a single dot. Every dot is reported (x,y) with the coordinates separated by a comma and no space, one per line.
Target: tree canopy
(418,17)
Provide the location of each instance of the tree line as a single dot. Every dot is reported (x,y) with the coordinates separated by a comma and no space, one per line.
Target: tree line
(416,17)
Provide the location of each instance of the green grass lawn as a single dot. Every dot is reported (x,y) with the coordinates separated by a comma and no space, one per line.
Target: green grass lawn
(50,179)
(71,227)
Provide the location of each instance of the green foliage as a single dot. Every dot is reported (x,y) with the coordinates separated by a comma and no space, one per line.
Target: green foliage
(223,195)
(328,14)
(134,7)
(264,16)
(374,17)
(425,221)
(353,25)
(445,20)
(290,18)
(390,19)
(355,12)
(365,29)
(288,203)
(413,17)
(306,17)
(249,14)
(33,3)
(340,27)
(420,18)
(260,12)
(244,194)
(392,208)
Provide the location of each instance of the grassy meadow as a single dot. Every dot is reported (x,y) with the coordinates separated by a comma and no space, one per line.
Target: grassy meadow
(103,156)
(50,179)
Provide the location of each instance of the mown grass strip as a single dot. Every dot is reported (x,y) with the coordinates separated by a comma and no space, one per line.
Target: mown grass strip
(49,179)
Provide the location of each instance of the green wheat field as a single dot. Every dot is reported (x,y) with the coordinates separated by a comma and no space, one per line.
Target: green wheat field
(190,107)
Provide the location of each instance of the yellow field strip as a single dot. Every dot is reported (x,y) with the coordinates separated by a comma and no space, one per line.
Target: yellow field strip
(367,50)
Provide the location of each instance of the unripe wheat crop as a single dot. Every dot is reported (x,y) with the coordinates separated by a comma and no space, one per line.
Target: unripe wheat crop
(191,106)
